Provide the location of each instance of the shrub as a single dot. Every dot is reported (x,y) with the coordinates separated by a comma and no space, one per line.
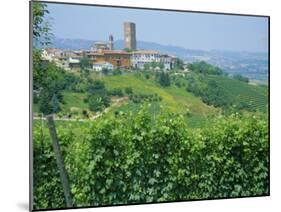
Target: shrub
(241,78)
(128,90)
(116,92)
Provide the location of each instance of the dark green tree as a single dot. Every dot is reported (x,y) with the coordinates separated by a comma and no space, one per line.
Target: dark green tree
(98,98)
(205,68)
(241,78)
(48,79)
(178,64)
(164,79)
(85,66)
(105,71)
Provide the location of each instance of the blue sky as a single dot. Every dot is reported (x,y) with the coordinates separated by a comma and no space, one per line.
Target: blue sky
(189,30)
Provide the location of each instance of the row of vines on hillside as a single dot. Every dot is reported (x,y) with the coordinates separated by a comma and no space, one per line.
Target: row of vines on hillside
(127,160)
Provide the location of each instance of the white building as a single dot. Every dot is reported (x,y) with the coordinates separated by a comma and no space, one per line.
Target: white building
(74,63)
(167,61)
(140,57)
(102,65)
(50,54)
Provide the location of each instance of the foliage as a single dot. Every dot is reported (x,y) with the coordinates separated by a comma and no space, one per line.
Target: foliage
(133,159)
(97,95)
(105,71)
(49,83)
(97,102)
(147,76)
(128,90)
(40,26)
(241,78)
(205,68)
(48,80)
(116,92)
(117,72)
(215,95)
(128,50)
(140,98)
(153,65)
(163,79)
(178,64)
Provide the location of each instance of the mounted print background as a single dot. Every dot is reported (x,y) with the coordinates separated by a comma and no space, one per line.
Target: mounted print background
(139,106)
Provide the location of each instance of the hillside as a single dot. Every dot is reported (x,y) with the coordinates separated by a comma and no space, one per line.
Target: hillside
(173,98)
(254,95)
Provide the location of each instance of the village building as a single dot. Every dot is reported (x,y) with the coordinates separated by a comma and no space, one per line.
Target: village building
(99,66)
(117,58)
(50,54)
(141,57)
(74,63)
(101,46)
(168,61)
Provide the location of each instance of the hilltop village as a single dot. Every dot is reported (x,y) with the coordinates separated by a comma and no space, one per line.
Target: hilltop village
(103,55)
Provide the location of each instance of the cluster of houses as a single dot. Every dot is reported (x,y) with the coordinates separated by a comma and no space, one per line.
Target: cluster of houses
(102,55)
(103,58)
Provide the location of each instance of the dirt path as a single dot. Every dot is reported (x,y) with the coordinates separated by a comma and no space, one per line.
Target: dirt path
(116,102)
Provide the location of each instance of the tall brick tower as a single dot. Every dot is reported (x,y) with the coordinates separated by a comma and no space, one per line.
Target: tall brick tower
(130,35)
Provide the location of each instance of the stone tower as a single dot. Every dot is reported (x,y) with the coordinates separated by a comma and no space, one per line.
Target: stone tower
(130,35)
(110,43)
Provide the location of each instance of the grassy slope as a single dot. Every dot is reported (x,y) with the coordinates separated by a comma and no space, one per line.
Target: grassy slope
(74,100)
(174,98)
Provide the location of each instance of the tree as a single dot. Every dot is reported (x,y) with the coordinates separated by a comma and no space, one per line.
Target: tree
(205,68)
(97,97)
(41,36)
(55,104)
(178,64)
(48,79)
(117,72)
(127,49)
(241,78)
(164,79)
(105,71)
(50,89)
(40,26)
(117,92)
(96,103)
(147,76)
(84,63)
(128,90)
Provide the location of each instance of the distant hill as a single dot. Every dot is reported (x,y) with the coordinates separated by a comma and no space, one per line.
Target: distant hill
(252,65)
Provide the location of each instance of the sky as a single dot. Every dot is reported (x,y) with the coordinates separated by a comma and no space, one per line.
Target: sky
(188,30)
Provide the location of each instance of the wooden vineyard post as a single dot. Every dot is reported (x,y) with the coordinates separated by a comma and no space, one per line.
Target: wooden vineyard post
(59,159)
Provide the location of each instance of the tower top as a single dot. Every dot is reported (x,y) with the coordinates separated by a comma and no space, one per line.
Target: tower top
(110,37)
(110,43)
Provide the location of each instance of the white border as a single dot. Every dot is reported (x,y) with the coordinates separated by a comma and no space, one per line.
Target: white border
(14,104)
